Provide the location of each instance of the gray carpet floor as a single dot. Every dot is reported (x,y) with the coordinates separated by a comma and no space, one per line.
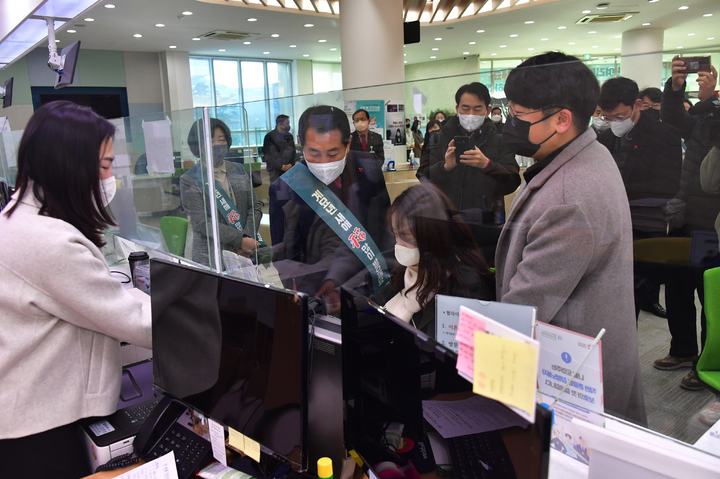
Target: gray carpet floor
(671,410)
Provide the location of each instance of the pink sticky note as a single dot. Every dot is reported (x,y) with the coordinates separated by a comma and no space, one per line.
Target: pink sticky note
(467,325)
(466,360)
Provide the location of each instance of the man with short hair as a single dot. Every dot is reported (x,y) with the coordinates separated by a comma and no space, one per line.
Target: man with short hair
(566,247)
(327,215)
(647,152)
(497,117)
(279,148)
(362,139)
(651,101)
(485,173)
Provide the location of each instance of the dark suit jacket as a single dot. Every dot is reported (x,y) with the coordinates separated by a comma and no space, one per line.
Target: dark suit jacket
(649,158)
(277,154)
(374,144)
(314,251)
(471,188)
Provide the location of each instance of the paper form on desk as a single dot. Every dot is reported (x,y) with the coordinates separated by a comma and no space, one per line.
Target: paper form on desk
(469,416)
(161,468)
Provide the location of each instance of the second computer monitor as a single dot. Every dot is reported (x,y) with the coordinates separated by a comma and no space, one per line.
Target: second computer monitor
(235,351)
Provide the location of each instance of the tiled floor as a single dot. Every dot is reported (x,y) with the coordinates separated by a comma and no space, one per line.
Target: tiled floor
(671,410)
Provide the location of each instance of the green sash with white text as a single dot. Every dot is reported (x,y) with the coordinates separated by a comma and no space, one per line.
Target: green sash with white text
(339,218)
(224,204)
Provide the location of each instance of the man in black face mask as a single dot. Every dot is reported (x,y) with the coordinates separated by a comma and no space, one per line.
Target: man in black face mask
(239,209)
(279,148)
(566,246)
(651,100)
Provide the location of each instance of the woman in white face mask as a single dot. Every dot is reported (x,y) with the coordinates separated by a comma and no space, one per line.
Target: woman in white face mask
(62,315)
(436,253)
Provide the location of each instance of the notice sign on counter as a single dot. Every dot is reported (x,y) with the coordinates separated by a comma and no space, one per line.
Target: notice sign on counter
(561,351)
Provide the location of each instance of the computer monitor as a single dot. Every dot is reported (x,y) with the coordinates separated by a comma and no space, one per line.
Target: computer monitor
(235,351)
(390,368)
(70,56)
(7,93)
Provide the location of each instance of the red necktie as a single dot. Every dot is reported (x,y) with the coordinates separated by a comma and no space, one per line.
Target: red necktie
(364,142)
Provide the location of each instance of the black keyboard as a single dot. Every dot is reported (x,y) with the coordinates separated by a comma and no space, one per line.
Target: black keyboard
(480,456)
(189,448)
(135,415)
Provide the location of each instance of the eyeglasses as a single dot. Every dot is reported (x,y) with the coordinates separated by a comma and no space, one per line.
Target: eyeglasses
(513,116)
(647,106)
(618,117)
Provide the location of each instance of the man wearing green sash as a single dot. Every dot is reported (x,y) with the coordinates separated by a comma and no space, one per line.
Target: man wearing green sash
(239,210)
(328,213)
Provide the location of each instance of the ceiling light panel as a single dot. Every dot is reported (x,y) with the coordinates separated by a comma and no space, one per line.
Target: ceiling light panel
(64,8)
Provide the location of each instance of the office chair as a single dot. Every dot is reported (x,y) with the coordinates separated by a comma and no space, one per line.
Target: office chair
(174,230)
(708,366)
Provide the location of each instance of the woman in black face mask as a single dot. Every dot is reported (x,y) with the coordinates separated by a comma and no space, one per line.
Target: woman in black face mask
(239,209)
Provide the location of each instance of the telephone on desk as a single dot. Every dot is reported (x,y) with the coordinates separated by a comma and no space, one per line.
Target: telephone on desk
(160,434)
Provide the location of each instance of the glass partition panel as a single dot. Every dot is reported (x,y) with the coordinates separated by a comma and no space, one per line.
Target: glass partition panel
(662,211)
(9,144)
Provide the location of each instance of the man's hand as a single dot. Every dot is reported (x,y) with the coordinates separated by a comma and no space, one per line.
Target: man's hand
(248,247)
(286,167)
(332,302)
(475,158)
(450,161)
(678,74)
(707,82)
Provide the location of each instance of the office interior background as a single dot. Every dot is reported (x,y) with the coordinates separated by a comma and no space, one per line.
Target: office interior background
(252,60)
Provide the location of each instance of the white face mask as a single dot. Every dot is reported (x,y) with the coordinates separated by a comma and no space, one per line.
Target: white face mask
(107,189)
(327,172)
(496,118)
(471,122)
(623,127)
(600,124)
(407,256)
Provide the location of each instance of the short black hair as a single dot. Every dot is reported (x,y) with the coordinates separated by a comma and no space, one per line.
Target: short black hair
(432,123)
(196,132)
(281,118)
(688,102)
(555,79)
(474,88)
(655,94)
(496,108)
(361,111)
(618,90)
(59,155)
(324,119)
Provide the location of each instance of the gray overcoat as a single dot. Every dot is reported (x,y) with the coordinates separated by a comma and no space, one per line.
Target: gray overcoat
(566,249)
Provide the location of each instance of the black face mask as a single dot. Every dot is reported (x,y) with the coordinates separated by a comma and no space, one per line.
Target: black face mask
(516,134)
(652,113)
(219,153)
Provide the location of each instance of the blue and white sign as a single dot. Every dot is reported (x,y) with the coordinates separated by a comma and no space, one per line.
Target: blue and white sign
(561,351)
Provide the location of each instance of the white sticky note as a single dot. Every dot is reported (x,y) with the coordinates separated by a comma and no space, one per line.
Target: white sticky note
(217,440)
(101,428)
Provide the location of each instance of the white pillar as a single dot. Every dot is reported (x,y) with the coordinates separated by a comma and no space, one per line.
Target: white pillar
(371,42)
(177,87)
(641,58)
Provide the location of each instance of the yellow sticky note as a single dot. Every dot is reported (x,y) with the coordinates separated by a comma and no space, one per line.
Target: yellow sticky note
(505,370)
(252,449)
(237,440)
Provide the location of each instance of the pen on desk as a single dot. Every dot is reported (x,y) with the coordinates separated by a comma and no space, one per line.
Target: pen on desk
(587,355)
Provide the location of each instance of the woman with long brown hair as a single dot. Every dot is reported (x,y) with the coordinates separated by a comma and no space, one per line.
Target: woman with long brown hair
(436,253)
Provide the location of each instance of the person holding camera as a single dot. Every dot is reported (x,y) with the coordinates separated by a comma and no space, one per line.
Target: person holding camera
(279,148)
(472,166)
(701,210)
